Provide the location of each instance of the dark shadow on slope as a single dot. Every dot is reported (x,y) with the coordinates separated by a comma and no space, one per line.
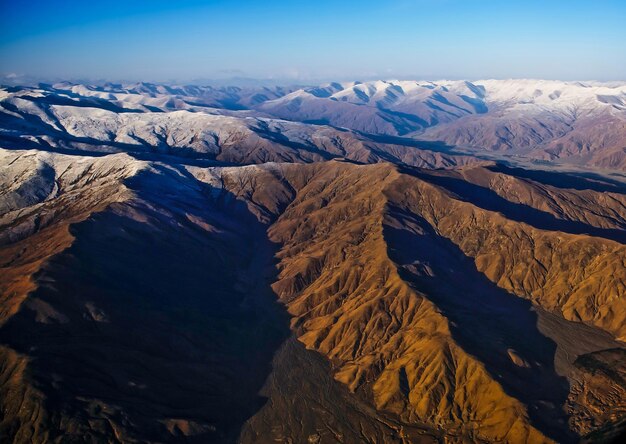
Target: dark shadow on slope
(441,99)
(230,104)
(307,403)
(438,147)
(34,189)
(97,148)
(262,129)
(70,144)
(490,200)
(66,143)
(403,123)
(479,106)
(159,318)
(57,98)
(485,320)
(33,125)
(171,159)
(320,122)
(570,180)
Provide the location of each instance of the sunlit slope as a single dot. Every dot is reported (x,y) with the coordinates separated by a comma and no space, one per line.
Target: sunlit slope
(473,305)
(389,333)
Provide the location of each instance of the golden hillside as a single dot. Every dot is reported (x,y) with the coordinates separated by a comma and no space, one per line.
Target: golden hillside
(469,305)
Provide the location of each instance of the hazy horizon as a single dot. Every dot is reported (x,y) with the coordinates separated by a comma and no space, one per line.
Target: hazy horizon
(11,79)
(302,42)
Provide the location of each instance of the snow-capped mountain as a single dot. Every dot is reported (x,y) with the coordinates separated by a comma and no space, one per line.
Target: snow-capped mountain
(578,122)
(584,122)
(392,107)
(381,261)
(55,120)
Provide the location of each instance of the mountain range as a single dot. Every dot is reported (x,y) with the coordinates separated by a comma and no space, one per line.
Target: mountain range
(383,262)
(573,122)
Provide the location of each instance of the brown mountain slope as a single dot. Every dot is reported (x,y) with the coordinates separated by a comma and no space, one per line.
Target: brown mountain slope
(156,324)
(349,304)
(37,212)
(594,139)
(592,204)
(582,277)
(424,290)
(33,231)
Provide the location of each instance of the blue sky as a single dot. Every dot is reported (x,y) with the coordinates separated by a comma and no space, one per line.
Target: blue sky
(156,40)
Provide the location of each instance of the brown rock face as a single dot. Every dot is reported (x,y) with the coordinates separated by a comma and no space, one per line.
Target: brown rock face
(405,301)
(478,304)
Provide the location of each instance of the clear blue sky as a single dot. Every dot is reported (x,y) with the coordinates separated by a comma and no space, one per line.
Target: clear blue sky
(182,40)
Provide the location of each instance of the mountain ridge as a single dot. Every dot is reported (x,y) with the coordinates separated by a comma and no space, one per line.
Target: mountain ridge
(175,269)
(581,123)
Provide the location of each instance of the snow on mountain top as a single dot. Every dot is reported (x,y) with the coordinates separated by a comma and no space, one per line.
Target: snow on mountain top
(30,177)
(148,97)
(546,91)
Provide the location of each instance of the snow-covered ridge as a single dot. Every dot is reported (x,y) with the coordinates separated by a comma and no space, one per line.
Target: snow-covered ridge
(543,118)
(376,93)
(477,94)
(420,104)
